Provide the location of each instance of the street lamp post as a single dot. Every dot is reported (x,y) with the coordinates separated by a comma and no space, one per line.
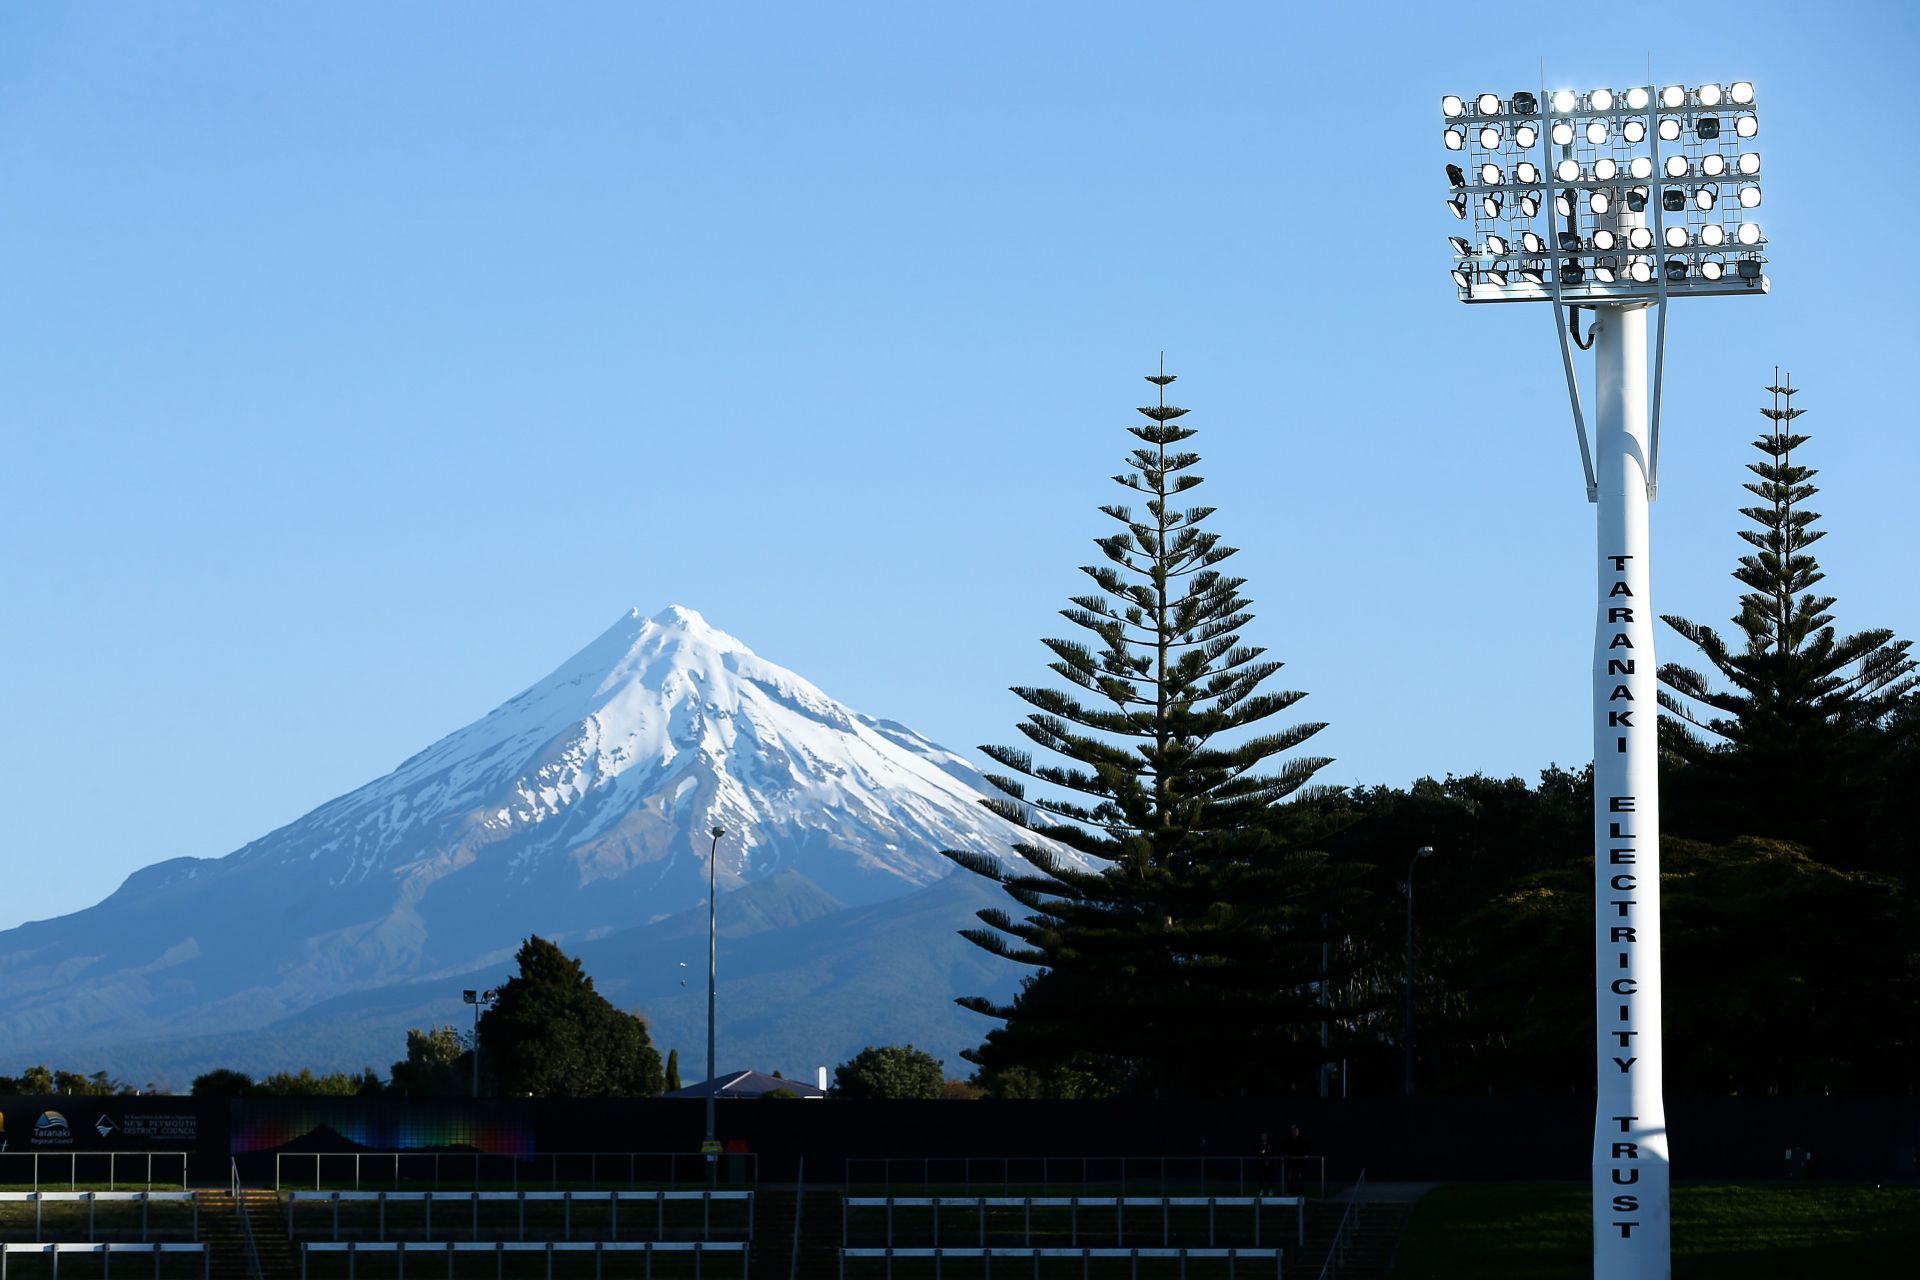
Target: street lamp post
(477,999)
(713,857)
(1424,851)
(1615,201)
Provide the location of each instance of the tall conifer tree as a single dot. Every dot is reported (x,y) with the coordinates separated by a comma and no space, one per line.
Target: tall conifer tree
(1182,926)
(1783,744)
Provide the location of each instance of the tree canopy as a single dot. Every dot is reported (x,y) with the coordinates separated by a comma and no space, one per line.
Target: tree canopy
(552,1035)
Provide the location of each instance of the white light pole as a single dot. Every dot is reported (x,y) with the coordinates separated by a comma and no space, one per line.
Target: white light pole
(1615,201)
(710,1147)
(478,999)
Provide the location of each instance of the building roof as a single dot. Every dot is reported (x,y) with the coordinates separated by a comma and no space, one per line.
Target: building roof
(747,1084)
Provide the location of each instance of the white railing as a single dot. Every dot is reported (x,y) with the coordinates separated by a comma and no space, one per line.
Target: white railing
(107,1253)
(520,1199)
(1232,1257)
(1051,1205)
(449,1249)
(246,1223)
(1348,1229)
(395,1170)
(40,1164)
(39,1199)
(1161,1175)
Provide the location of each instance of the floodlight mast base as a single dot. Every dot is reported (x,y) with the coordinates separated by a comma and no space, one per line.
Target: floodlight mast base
(1631,1211)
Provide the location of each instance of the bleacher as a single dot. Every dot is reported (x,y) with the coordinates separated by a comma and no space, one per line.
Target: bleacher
(144,1234)
(482,1232)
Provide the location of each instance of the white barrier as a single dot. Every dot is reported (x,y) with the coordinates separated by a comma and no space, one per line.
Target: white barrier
(500,1249)
(1232,1257)
(612,1199)
(1119,1204)
(106,1252)
(145,1199)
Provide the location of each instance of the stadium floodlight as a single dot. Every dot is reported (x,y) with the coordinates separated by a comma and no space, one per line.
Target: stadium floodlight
(1651,204)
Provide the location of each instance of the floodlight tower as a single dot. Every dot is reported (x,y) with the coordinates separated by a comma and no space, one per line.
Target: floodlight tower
(1615,201)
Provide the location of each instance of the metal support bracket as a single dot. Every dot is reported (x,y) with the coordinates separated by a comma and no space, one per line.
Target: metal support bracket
(1657,200)
(1560,309)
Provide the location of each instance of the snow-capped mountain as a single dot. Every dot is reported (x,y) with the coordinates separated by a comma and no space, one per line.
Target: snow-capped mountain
(576,809)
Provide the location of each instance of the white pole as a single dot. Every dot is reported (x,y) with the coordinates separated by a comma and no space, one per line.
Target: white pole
(1631,1223)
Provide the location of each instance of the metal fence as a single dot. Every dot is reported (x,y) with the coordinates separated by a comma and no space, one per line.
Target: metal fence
(106,1252)
(143,1169)
(180,1214)
(1089,1175)
(570,1215)
(1044,1262)
(525,1261)
(478,1171)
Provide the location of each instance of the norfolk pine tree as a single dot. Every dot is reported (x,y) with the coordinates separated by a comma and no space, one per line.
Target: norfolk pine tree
(1788,744)
(1186,931)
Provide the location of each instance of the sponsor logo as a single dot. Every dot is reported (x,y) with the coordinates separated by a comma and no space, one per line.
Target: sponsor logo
(104,1125)
(51,1130)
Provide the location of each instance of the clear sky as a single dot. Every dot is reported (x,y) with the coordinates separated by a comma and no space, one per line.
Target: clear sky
(359,362)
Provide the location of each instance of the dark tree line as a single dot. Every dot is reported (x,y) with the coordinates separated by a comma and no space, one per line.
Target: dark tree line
(1213,908)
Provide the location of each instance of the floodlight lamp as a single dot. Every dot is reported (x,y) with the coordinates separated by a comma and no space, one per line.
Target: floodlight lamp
(1641,166)
(1597,132)
(1600,202)
(1490,136)
(1451,106)
(1640,238)
(1491,175)
(1749,233)
(1605,239)
(1497,245)
(1634,131)
(1749,197)
(1670,131)
(1708,127)
(1709,95)
(1531,242)
(1456,176)
(1487,104)
(1463,276)
(1606,169)
(1741,91)
(1524,136)
(1563,100)
(1749,269)
(1636,199)
(1676,269)
(1637,99)
(1454,139)
(1673,96)
(469,997)
(1639,271)
(1524,103)
(1458,203)
(1713,233)
(1749,163)
(1460,246)
(1525,173)
(1569,242)
(1606,270)
(1676,237)
(1601,99)
(1490,205)
(1563,134)
(1567,170)
(1572,273)
(1563,204)
(1673,200)
(1713,164)
(1712,269)
(1530,204)
(1706,197)
(1532,275)
(1497,273)
(1747,126)
(1676,166)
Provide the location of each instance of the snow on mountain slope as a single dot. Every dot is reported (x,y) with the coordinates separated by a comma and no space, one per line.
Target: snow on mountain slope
(578,807)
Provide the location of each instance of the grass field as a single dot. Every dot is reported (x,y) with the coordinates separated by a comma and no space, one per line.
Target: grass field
(1752,1231)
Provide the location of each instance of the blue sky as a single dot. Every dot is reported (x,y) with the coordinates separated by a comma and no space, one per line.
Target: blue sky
(360,362)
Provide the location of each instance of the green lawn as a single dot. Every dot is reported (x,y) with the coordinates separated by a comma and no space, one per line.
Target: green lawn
(1540,1231)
